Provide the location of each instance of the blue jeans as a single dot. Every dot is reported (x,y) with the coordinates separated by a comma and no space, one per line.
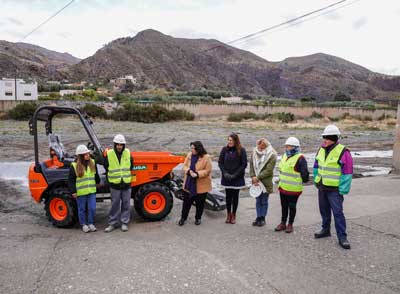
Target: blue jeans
(86,204)
(262,205)
(332,201)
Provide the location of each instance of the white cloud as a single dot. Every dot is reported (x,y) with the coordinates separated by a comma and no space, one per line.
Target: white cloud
(359,23)
(86,25)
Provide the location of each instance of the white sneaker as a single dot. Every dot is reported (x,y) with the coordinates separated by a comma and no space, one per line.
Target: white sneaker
(92,228)
(109,229)
(124,228)
(85,229)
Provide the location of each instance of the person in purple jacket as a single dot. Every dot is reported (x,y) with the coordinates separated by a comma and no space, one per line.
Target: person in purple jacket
(333,172)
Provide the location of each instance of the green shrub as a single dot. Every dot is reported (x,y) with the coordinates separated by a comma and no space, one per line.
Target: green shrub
(22,111)
(340,96)
(284,117)
(384,116)
(149,114)
(366,118)
(94,111)
(238,117)
(317,115)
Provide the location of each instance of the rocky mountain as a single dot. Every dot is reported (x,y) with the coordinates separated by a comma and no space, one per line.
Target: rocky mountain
(163,61)
(33,61)
(159,60)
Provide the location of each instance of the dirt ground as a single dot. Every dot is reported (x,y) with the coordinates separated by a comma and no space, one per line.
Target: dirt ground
(176,136)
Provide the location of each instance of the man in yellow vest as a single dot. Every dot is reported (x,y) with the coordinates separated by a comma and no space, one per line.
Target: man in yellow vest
(333,170)
(118,164)
(293,172)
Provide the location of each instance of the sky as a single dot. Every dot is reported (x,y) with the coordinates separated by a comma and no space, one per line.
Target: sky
(361,31)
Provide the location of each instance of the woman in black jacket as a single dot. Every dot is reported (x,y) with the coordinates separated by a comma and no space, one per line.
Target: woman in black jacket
(232,163)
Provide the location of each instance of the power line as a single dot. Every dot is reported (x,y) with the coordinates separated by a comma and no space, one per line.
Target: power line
(46,21)
(299,21)
(286,22)
(331,8)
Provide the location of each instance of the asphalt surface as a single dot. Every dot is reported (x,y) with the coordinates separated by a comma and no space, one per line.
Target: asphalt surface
(161,257)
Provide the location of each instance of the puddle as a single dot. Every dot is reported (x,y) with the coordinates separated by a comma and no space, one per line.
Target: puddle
(18,171)
(15,171)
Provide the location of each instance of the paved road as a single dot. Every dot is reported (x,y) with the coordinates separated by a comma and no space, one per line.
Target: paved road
(212,258)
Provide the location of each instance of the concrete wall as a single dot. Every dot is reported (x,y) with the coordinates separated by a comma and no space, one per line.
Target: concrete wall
(396,147)
(6,105)
(208,110)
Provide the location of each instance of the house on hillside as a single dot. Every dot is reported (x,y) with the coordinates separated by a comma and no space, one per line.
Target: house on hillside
(18,89)
(69,92)
(120,82)
(232,100)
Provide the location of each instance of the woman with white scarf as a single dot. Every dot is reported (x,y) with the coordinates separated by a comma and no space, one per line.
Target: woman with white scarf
(262,164)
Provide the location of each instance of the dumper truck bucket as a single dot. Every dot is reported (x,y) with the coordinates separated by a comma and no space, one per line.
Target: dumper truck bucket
(152,166)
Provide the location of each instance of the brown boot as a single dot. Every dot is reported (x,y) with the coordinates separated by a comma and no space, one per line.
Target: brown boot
(289,228)
(280,227)
(233,218)
(228,218)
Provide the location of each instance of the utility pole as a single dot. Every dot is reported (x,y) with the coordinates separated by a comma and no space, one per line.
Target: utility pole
(396,147)
(15,80)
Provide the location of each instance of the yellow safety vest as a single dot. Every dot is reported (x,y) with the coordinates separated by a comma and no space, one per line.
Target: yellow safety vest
(289,179)
(119,171)
(329,169)
(87,184)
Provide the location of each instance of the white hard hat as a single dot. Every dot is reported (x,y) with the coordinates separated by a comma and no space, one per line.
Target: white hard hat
(82,149)
(292,141)
(331,130)
(119,139)
(255,191)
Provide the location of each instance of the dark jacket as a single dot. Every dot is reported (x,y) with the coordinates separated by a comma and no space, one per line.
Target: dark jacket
(232,166)
(72,179)
(122,185)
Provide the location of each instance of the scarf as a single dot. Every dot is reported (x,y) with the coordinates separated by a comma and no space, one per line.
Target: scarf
(260,159)
(191,183)
(292,152)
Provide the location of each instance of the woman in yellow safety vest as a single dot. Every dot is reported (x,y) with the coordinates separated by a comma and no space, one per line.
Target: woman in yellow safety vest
(83,178)
(293,172)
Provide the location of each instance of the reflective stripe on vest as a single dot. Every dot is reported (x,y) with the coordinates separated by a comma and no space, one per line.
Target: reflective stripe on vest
(329,169)
(289,179)
(87,184)
(118,171)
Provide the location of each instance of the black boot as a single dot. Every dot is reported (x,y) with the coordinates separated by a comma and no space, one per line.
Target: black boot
(197,222)
(261,221)
(255,223)
(181,222)
(322,234)
(345,244)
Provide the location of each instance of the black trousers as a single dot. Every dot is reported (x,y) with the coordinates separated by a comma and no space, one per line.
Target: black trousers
(199,200)
(288,203)
(232,200)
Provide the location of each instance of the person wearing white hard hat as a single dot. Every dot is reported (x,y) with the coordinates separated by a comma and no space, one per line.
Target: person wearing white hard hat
(262,164)
(82,182)
(333,170)
(118,163)
(293,172)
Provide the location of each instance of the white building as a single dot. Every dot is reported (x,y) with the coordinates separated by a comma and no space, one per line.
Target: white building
(232,100)
(123,80)
(70,92)
(24,90)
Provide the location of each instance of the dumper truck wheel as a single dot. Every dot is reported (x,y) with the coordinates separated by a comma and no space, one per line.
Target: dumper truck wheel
(153,201)
(61,209)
